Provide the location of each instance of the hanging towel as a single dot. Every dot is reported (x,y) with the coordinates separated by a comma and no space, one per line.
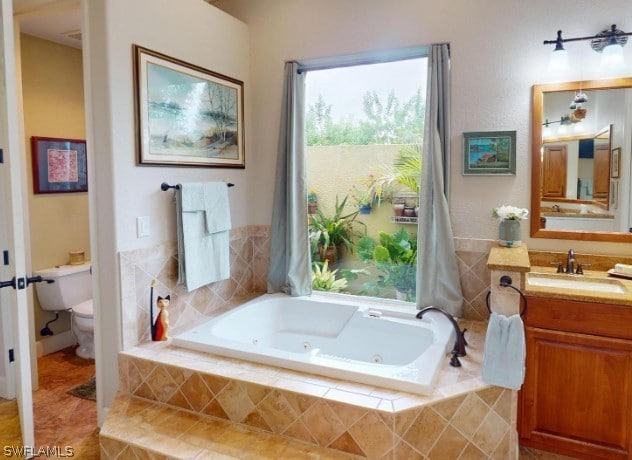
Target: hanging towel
(203,224)
(505,351)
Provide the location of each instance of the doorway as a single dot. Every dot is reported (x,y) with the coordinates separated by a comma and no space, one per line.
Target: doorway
(50,66)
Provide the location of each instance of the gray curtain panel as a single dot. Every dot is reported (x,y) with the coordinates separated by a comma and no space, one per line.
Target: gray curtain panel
(438,280)
(289,270)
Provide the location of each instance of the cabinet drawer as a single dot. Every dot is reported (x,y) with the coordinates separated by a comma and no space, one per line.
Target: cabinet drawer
(583,317)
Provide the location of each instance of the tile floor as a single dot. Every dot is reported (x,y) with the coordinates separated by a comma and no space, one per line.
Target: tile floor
(62,419)
(10,434)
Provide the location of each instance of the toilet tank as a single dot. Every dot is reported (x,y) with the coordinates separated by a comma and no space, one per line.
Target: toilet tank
(72,286)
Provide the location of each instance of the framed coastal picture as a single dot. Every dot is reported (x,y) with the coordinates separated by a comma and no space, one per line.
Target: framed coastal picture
(186,115)
(59,165)
(491,153)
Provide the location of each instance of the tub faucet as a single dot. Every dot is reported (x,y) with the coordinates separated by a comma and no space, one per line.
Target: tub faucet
(459,342)
(570,261)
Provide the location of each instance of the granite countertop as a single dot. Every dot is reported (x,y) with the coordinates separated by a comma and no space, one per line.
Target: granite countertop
(574,214)
(514,259)
(520,260)
(583,295)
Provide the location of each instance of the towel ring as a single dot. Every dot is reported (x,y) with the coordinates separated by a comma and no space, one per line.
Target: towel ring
(505,281)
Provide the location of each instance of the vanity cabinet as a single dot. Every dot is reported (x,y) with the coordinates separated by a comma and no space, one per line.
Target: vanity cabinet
(577,396)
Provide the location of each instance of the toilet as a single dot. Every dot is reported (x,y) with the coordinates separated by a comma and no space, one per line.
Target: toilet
(72,290)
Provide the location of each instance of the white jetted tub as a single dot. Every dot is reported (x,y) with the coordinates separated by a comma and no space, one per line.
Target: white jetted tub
(346,339)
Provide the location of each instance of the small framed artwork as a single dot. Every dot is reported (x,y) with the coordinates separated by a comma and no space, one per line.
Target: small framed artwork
(614,194)
(186,115)
(490,153)
(59,165)
(615,162)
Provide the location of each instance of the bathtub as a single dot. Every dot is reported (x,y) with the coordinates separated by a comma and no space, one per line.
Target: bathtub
(344,338)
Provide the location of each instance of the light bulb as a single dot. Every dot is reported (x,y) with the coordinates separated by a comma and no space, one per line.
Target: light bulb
(558,60)
(546,132)
(612,56)
(578,127)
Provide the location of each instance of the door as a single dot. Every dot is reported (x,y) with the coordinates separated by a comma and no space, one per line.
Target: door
(554,172)
(601,175)
(13,299)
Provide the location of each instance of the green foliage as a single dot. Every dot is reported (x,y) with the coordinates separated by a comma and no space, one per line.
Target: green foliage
(396,256)
(386,122)
(335,230)
(405,173)
(324,279)
(312,197)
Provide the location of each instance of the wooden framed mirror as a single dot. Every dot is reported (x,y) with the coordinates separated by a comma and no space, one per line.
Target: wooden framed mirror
(579,130)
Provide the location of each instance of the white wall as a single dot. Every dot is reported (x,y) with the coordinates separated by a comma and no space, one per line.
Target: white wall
(189,30)
(497,55)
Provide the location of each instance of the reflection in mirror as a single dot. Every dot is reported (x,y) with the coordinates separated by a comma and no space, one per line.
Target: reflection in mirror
(576,126)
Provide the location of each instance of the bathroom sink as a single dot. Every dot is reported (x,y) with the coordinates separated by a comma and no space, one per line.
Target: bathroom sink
(575,282)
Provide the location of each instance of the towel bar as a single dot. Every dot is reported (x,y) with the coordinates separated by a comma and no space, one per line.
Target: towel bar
(164,186)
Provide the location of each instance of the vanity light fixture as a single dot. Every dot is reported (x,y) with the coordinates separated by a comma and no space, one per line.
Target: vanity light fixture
(609,42)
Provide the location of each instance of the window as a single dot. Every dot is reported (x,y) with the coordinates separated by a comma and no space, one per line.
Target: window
(364,128)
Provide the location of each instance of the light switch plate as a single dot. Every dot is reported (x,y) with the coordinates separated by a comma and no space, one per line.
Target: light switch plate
(142,226)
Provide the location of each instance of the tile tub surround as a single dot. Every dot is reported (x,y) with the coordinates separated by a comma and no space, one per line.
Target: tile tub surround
(475,277)
(249,255)
(463,418)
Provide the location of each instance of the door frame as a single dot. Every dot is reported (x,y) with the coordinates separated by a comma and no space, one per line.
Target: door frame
(18,372)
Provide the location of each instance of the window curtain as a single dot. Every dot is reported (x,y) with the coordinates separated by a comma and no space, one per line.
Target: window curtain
(289,267)
(438,280)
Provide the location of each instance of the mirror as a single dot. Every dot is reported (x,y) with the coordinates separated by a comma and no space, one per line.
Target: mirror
(581,160)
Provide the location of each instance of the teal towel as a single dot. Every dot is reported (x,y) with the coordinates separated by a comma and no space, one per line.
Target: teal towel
(505,351)
(203,224)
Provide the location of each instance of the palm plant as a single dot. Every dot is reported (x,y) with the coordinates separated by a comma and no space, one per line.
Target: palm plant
(333,232)
(404,173)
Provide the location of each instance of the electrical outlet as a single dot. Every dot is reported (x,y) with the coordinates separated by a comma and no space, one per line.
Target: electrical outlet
(142,226)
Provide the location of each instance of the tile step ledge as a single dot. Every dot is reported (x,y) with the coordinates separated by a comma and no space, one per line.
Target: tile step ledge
(138,428)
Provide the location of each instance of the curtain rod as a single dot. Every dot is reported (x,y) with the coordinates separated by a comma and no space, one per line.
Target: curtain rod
(362,59)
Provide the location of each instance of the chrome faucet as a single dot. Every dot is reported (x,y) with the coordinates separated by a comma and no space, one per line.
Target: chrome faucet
(570,262)
(459,343)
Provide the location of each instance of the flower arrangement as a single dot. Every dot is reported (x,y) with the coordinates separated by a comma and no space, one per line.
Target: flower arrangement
(506,212)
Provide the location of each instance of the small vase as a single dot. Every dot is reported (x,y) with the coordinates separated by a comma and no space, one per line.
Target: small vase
(365,209)
(398,209)
(509,233)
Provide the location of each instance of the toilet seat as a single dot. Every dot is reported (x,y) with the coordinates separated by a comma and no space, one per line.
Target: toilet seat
(83,309)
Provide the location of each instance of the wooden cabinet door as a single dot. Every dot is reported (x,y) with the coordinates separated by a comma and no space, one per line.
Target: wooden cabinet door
(577,396)
(601,173)
(554,172)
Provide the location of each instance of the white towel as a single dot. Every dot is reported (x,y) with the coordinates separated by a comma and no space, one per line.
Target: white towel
(203,255)
(505,351)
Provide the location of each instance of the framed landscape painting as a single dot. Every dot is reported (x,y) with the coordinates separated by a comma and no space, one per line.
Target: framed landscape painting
(186,115)
(59,165)
(489,153)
